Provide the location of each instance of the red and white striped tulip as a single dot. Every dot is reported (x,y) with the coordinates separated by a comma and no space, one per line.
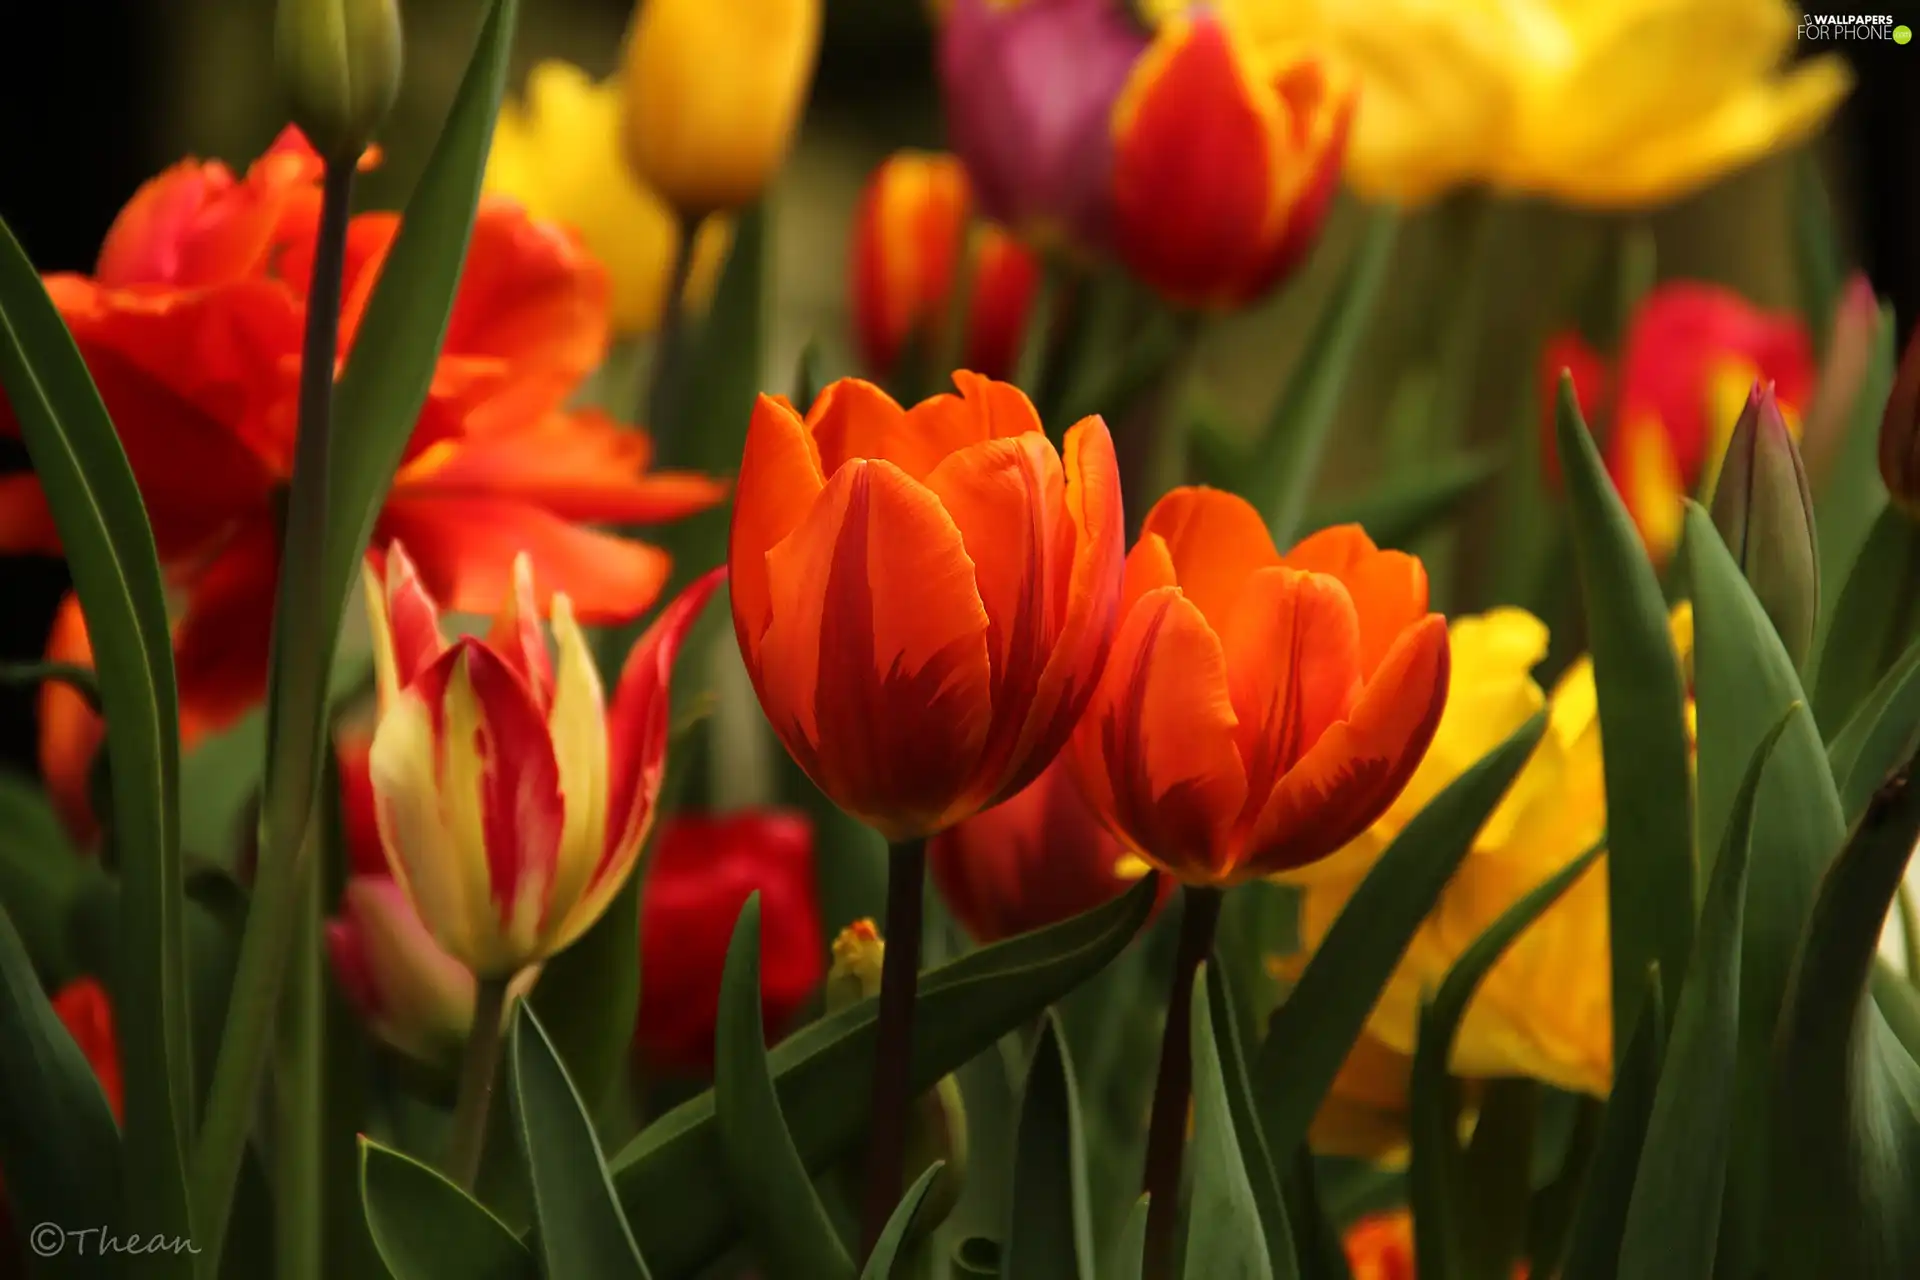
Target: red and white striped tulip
(512,802)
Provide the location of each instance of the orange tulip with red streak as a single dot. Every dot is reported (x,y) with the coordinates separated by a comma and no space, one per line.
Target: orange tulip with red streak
(924,597)
(191,328)
(1258,710)
(1222,176)
(908,235)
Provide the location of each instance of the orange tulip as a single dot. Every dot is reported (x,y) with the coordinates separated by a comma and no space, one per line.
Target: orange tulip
(924,597)
(1259,711)
(908,235)
(1222,175)
(192,329)
(1381,1247)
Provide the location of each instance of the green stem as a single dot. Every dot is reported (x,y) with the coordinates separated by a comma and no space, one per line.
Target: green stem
(893,1058)
(298,1082)
(1167,1126)
(478,1065)
(669,348)
(294,744)
(1909,932)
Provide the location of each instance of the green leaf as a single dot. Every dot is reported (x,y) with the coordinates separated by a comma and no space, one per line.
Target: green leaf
(82,680)
(1400,509)
(1852,495)
(1877,736)
(1593,1241)
(976,1256)
(426,1228)
(1224,1240)
(1816,246)
(809,374)
(1285,468)
(1742,679)
(1322,1250)
(1275,1219)
(886,1250)
(1643,728)
(588,996)
(58,1140)
(1310,1035)
(1876,618)
(1130,1253)
(41,875)
(1844,1092)
(1673,1220)
(1047,1236)
(671,1178)
(582,1229)
(789,1227)
(103,528)
(1436,1174)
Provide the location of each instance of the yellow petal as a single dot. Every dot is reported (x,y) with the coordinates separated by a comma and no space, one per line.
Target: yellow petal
(578,725)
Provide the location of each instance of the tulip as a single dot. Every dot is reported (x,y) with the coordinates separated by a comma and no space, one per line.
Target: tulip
(713,90)
(85,1011)
(1258,711)
(1029,89)
(557,152)
(1763,508)
(924,598)
(1900,433)
(700,873)
(340,60)
(1223,172)
(1029,862)
(511,803)
(910,234)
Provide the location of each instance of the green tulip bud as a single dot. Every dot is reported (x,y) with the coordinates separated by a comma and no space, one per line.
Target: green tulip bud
(1764,509)
(340,61)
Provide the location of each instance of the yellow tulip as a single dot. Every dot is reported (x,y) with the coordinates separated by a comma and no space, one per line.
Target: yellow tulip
(557,152)
(1614,104)
(714,89)
(1545,1010)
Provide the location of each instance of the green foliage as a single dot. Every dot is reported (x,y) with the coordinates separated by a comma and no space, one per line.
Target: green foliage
(1224,1236)
(426,1228)
(1047,1235)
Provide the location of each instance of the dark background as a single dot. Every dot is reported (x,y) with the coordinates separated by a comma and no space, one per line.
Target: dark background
(81,132)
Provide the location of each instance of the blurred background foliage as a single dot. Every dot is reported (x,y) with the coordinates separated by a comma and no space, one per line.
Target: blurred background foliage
(115,90)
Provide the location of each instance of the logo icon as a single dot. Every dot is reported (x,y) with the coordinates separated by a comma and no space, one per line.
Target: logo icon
(1902,34)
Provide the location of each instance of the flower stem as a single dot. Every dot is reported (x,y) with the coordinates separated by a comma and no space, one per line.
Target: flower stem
(1167,1129)
(479,1063)
(296,698)
(893,1060)
(669,354)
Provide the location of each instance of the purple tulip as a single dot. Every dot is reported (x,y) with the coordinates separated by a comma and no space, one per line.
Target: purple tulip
(1029,90)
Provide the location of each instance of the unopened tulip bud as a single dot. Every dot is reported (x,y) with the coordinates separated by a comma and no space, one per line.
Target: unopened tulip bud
(1900,433)
(1763,508)
(340,61)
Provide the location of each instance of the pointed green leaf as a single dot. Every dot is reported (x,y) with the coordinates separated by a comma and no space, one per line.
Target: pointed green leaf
(1875,620)
(103,528)
(1309,1036)
(582,1231)
(41,875)
(886,1250)
(426,1228)
(1816,245)
(1851,494)
(671,1178)
(1877,736)
(1593,1241)
(1401,509)
(1436,1172)
(1742,678)
(1643,728)
(1131,1251)
(1047,1235)
(58,1141)
(1224,1240)
(1275,1219)
(1845,1133)
(1673,1219)
(788,1225)
(1285,469)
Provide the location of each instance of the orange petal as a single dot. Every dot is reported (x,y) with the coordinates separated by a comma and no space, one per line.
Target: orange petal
(70,731)
(853,418)
(516,636)
(780,478)
(1215,540)
(1155,750)
(874,669)
(1005,279)
(465,548)
(220,651)
(1293,666)
(1359,765)
(26,522)
(411,618)
(1389,588)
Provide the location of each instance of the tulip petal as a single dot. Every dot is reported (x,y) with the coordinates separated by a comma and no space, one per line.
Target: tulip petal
(1293,667)
(983,410)
(853,418)
(515,634)
(1155,750)
(422,852)
(875,669)
(1389,588)
(577,723)
(70,730)
(780,478)
(403,620)
(220,646)
(1360,764)
(360,827)
(1215,540)
(26,522)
